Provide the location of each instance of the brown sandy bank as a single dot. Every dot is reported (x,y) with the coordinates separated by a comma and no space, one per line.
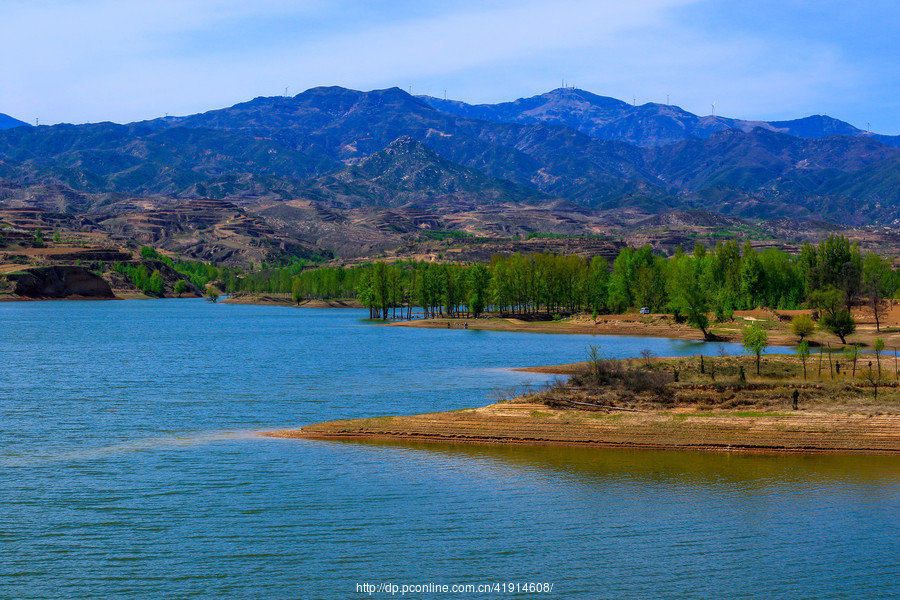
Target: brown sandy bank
(522,422)
(286,300)
(610,326)
(776,323)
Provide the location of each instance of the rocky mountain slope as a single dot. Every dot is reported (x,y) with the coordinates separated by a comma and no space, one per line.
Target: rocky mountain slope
(340,171)
(645,125)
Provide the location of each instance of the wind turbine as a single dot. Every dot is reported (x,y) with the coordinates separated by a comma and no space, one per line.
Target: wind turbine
(714,107)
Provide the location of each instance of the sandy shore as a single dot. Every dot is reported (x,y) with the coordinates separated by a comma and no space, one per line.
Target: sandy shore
(777,324)
(521,422)
(264,299)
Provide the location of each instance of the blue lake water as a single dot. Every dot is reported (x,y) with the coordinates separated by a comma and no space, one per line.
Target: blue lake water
(130,466)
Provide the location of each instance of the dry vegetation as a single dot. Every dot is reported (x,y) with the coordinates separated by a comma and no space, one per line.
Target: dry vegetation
(728,383)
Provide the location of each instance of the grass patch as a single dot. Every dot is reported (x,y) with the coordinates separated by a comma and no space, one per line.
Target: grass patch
(758,413)
(606,417)
(684,416)
(539,414)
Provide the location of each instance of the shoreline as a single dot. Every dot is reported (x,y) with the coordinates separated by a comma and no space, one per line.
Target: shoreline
(666,403)
(63,299)
(270,300)
(777,324)
(578,327)
(519,422)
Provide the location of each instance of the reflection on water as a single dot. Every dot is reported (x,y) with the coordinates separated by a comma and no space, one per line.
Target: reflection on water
(666,466)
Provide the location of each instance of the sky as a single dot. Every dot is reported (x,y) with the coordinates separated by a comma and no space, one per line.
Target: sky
(80,61)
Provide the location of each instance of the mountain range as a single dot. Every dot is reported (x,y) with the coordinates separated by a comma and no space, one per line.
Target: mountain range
(646,125)
(7,122)
(567,150)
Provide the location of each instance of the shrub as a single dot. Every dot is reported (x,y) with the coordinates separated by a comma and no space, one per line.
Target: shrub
(802,326)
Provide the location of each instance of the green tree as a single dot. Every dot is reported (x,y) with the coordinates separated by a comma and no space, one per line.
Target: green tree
(756,340)
(803,353)
(753,282)
(365,293)
(597,285)
(297,290)
(828,300)
(180,287)
(802,326)
(840,324)
(381,288)
(686,293)
(620,296)
(479,280)
(212,293)
(155,284)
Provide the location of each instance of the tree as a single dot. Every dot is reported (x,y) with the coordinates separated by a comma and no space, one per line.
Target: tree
(873,379)
(620,279)
(756,340)
(840,324)
(686,294)
(155,284)
(827,299)
(365,293)
(803,353)
(297,290)
(479,280)
(212,293)
(597,285)
(879,348)
(802,326)
(877,275)
(381,288)
(180,287)
(852,354)
(595,362)
(752,277)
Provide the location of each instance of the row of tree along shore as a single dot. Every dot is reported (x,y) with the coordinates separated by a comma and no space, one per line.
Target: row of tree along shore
(830,277)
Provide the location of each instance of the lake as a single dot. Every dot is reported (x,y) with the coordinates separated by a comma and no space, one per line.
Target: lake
(131,466)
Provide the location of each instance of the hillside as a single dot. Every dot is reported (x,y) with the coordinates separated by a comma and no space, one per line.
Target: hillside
(337,171)
(408,173)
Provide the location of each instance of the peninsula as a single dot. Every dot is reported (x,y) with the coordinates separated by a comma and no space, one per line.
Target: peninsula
(638,404)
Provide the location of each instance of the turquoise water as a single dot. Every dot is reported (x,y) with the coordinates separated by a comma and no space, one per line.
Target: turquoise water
(130,466)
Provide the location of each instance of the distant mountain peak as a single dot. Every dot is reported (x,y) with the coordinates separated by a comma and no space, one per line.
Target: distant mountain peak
(647,125)
(8,122)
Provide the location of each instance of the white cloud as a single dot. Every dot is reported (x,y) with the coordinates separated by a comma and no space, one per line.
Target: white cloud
(101,59)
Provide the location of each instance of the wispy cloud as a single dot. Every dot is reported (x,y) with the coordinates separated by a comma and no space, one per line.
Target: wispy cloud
(88,60)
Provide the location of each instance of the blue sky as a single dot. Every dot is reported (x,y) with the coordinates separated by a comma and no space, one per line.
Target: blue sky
(94,60)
